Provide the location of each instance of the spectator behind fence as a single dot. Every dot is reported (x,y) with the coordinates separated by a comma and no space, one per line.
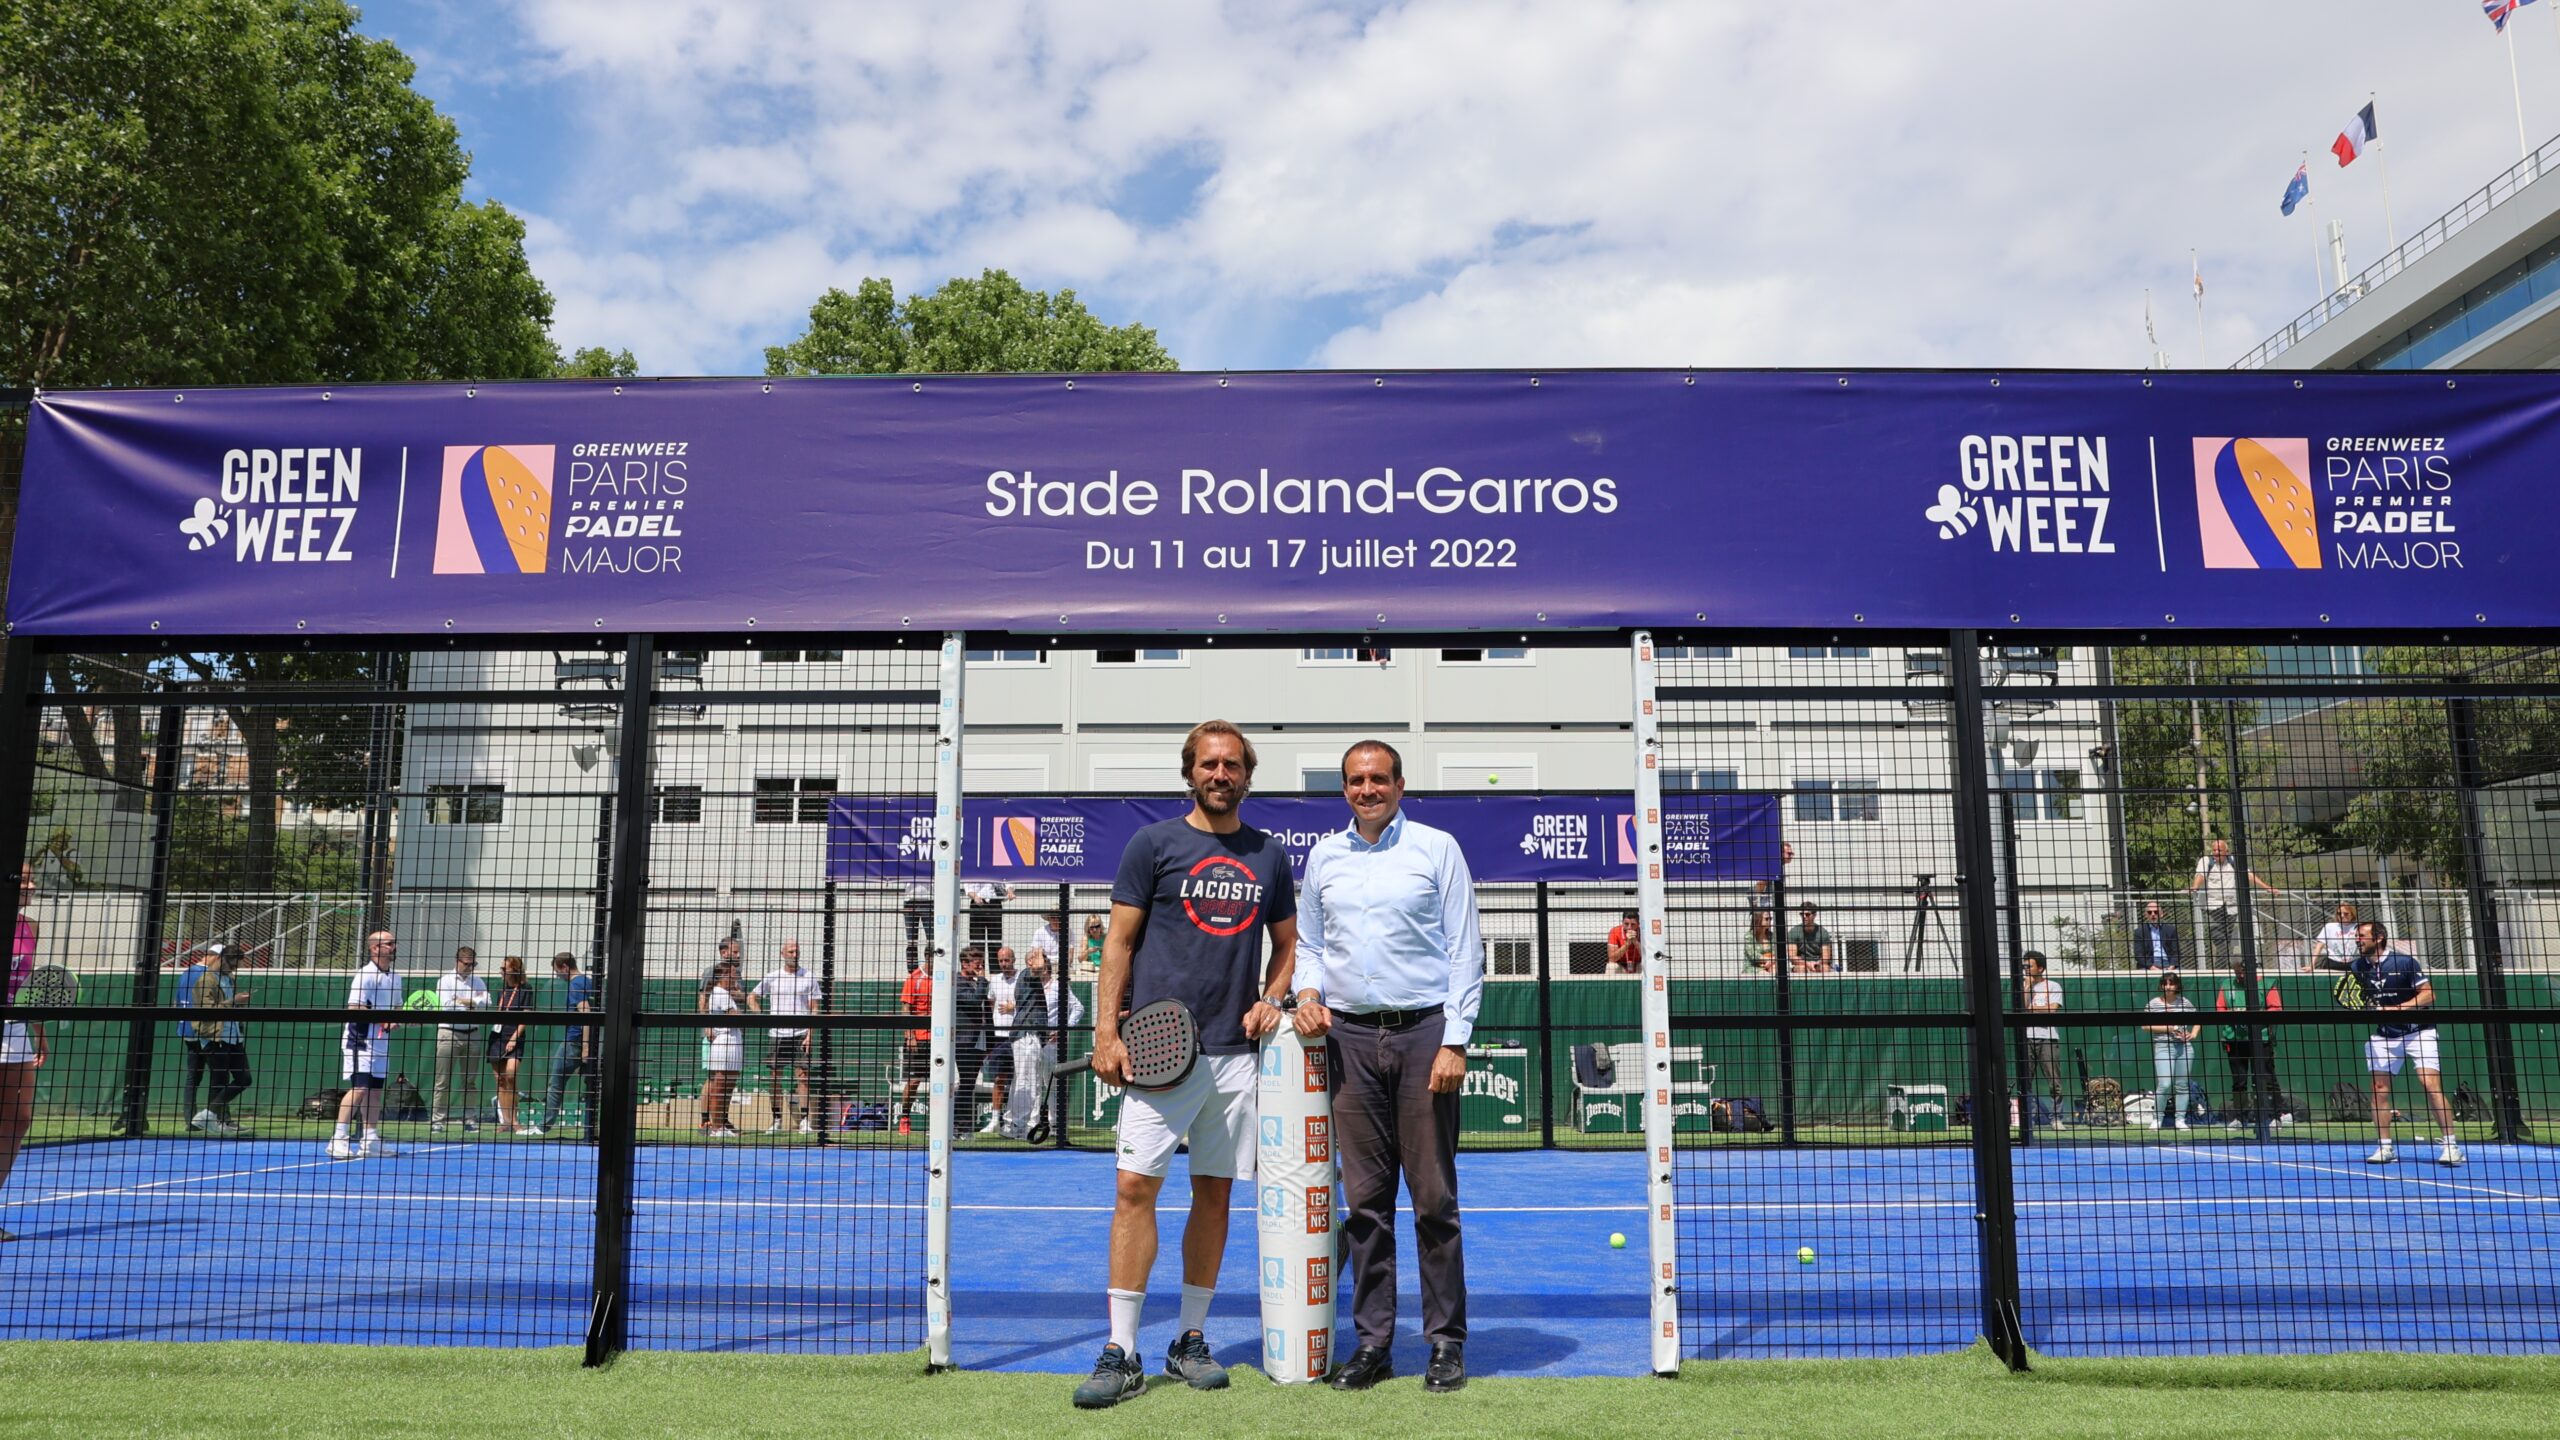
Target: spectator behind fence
(1050,940)
(506,1042)
(971,1017)
(916,1055)
(22,1043)
(1809,945)
(2218,877)
(2042,996)
(917,912)
(1760,951)
(577,1053)
(192,1055)
(2155,940)
(458,1045)
(724,1051)
(2173,1053)
(2242,1045)
(997,1070)
(789,991)
(1626,945)
(1093,938)
(226,1048)
(2337,942)
(986,911)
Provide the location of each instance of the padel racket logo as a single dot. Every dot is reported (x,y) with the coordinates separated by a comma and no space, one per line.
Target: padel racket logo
(2254,504)
(493,516)
(1221,896)
(1015,840)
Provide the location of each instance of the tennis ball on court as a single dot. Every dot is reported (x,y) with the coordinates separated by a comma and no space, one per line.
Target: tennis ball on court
(1804,1254)
(1493,779)
(1617,1241)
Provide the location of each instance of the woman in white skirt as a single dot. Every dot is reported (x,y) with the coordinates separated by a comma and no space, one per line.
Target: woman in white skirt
(725,1049)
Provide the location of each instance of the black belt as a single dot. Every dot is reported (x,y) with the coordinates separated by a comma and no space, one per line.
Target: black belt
(1387,1019)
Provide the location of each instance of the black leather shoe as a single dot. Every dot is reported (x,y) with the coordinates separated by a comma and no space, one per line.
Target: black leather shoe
(1448,1369)
(1367,1366)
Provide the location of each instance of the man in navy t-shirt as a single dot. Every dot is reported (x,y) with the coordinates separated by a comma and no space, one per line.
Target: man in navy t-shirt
(1194,898)
(2394,984)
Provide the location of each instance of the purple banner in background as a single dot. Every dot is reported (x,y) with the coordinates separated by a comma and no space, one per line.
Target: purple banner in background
(1075,839)
(1296,502)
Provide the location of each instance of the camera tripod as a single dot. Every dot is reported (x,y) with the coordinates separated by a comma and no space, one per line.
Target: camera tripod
(1924,914)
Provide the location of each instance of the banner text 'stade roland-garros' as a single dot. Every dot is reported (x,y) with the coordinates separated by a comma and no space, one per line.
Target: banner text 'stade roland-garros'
(1298,502)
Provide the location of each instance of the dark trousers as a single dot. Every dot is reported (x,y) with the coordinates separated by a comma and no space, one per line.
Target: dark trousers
(564,1063)
(1386,1121)
(198,1060)
(229,1065)
(2245,1079)
(2044,1071)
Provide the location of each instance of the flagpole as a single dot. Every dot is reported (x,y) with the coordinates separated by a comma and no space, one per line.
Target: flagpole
(2523,149)
(2319,281)
(2389,224)
(2196,265)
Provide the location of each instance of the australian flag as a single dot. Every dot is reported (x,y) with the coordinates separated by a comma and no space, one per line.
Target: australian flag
(2298,189)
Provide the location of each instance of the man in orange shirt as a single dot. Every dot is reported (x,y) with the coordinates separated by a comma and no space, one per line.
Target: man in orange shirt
(1626,951)
(2241,1047)
(916,998)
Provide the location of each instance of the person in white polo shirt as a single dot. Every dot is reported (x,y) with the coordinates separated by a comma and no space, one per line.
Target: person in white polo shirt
(460,990)
(789,991)
(367,1049)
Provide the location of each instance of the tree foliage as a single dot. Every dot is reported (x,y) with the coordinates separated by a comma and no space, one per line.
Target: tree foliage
(990,324)
(241,191)
(2408,801)
(2174,762)
(594,362)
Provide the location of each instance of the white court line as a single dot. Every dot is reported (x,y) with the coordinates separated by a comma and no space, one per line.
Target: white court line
(2374,1172)
(61,1195)
(756,1202)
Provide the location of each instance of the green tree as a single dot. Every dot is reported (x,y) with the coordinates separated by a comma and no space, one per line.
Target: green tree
(2407,801)
(595,362)
(990,324)
(2174,764)
(241,192)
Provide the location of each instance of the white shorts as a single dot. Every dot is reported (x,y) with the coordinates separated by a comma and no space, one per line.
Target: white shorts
(16,1046)
(2383,1053)
(373,1059)
(728,1051)
(1212,1111)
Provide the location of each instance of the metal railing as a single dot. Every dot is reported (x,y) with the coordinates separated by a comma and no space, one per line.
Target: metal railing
(2473,207)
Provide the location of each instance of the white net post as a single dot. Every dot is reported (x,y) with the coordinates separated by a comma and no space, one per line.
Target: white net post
(946,913)
(1662,1236)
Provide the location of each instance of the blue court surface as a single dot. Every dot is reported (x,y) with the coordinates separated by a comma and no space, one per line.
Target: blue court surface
(2205,1248)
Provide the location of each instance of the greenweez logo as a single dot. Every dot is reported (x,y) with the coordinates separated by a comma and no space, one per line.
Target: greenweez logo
(2029,494)
(289,506)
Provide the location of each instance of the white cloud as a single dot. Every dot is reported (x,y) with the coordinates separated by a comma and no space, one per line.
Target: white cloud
(1464,182)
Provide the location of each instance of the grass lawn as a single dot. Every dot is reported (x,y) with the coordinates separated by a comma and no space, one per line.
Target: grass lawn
(121,1389)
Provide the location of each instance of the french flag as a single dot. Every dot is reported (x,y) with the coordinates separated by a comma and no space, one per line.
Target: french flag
(2351,142)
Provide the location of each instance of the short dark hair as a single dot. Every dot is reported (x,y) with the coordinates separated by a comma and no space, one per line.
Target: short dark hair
(565,960)
(1395,757)
(2032,957)
(2380,930)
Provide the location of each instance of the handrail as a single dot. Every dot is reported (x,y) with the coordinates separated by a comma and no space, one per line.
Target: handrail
(2473,207)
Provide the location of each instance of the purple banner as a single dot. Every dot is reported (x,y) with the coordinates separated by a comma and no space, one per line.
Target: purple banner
(1075,839)
(1336,502)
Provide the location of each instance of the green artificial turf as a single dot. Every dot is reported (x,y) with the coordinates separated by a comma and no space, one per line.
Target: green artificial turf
(133,1389)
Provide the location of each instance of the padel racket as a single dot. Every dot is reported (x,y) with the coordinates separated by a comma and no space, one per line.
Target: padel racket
(50,985)
(2349,991)
(422,1000)
(1163,1043)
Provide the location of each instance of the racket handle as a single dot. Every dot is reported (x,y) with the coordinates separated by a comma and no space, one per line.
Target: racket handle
(1081,1062)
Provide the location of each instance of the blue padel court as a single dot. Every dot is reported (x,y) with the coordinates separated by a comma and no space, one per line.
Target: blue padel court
(2211,1246)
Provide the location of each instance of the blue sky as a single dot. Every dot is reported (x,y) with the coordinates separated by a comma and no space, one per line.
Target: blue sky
(1475,182)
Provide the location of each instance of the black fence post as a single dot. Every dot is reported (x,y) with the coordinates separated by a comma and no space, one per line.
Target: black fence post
(2261,1085)
(141,1037)
(2469,779)
(1995,1196)
(1546,1026)
(617,1127)
(821,1076)
(20,681)
(2016,964)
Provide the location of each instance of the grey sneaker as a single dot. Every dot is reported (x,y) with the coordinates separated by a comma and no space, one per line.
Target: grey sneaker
(1190,1362)
(1115,1378)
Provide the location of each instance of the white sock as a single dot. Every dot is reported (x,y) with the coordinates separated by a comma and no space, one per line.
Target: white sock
(1125,1305)
(371,1134)
(1195,1306)
(342,1130)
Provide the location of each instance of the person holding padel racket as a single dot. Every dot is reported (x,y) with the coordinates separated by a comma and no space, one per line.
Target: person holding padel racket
(1189,909)
(2392,984)
(22,1044)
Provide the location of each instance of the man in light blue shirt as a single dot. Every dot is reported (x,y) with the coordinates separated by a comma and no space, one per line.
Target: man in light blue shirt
(1389,957)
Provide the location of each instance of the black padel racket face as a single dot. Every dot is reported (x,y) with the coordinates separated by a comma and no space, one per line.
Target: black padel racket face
(1163,1043)
(2348,990)
(50,985)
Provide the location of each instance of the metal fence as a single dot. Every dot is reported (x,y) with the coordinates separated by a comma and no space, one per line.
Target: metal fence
(1851,1133)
